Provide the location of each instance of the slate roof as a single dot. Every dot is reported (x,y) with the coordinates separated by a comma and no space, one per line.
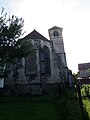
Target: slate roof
(55,27)
(35,35)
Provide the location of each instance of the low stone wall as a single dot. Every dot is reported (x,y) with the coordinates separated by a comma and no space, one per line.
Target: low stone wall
(31,89)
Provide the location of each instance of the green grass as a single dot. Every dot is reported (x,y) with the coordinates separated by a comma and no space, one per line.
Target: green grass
(25,111)
(41,109)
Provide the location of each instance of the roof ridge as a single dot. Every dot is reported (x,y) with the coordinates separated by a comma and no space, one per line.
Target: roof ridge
(35,35)
(55,27)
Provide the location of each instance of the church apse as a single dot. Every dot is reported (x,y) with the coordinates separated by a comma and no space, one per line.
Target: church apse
(44,67)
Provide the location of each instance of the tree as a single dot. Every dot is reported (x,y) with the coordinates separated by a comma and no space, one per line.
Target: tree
(76,75)
(11,46)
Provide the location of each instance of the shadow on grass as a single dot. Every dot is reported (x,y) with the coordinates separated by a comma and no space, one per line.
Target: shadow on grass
(48,108)
(40,108)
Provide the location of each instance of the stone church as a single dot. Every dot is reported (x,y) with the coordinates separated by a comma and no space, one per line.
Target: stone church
(42,70)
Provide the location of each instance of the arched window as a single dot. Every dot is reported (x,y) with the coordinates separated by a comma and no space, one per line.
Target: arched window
(42,61)
(47,60)
(55,33)
(30,64)
(45,67)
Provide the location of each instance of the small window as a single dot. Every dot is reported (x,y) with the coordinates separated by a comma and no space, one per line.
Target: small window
(55,33)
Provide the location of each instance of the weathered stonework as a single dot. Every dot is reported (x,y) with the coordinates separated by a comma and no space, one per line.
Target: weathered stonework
(48,67)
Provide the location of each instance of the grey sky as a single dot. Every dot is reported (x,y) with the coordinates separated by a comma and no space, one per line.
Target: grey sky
(72,15)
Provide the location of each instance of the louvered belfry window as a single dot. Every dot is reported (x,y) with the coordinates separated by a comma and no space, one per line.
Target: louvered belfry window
(55,33)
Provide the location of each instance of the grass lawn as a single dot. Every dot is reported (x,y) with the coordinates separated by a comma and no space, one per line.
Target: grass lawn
(54,109)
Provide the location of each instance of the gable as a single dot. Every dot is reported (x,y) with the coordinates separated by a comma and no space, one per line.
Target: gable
(35,35)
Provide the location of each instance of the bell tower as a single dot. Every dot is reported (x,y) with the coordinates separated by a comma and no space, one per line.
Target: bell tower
(55,34)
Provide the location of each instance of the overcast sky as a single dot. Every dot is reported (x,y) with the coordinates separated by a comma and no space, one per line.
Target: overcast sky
(72,15)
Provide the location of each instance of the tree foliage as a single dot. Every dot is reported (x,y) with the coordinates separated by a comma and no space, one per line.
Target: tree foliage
(76,75)
(11,46)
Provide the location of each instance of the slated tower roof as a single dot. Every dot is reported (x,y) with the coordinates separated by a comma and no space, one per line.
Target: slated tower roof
(55,27)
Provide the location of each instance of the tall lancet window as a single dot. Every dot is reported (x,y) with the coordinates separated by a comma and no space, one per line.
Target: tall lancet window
(45,67)
(47,60)
(30,64)
(42,61)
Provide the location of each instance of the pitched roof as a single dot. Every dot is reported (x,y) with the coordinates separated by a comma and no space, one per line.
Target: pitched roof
(35,35)
(55,27)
